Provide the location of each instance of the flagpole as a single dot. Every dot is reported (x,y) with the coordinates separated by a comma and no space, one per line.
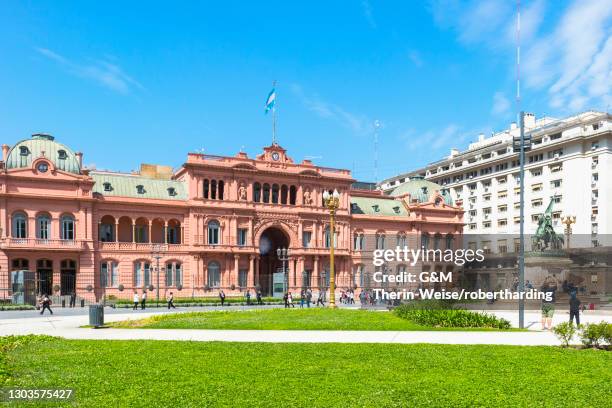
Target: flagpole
(274,115)
(274,125)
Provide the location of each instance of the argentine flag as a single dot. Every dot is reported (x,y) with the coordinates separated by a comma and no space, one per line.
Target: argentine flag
(271,100)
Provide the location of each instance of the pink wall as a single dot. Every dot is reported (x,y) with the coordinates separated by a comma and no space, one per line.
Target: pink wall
(58,193)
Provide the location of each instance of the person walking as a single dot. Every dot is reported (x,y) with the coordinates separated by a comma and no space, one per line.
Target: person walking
(308,297)
(574,305)
(320,300)
(302,299)
(143,300)
(170,300)
(222,297)
(259,301)
(549,287)
(46,304)
(72,299)
(286,300)
(248,297)
(290,300)
(136,301)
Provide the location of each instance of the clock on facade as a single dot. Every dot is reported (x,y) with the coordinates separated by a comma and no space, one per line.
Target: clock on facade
(275,156)
(42,167)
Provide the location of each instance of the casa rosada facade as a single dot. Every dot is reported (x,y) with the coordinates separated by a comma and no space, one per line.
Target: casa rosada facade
(215,223)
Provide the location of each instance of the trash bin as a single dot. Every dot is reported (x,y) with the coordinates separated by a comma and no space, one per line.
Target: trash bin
(96,315)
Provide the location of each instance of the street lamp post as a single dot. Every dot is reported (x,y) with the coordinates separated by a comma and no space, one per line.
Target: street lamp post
(323,285)
(283,256)
(157,254)
(568,220)
(304,281)
(332,202)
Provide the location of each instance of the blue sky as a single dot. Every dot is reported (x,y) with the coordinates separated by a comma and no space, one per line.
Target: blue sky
(131,82)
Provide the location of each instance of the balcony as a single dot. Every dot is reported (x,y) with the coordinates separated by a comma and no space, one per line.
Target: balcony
(42,244)
(139,247)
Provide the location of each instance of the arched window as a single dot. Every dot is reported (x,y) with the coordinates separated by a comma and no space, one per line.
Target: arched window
(137,275)
(221,188)
(425,240)
(437,239)
(173,233)
(67,227)
(292,195)
(43,227)
(214,275)
(266,193)
(358,241)
(327,238)
(214,232)
(401,240)
(142,274)
(109,274)
(206,188)
(107,229)
(174,274)
(449,241)
(213,189)
(284,191)
(380,240)
(359,275)
(257,192)
(20,225)
(275,193)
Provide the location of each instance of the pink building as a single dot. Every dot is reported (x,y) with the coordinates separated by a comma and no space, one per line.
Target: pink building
(214,223)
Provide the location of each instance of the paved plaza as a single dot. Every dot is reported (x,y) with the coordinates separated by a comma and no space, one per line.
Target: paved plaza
(68,323)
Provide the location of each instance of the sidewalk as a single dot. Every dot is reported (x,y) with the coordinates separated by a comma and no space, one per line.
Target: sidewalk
(69,327)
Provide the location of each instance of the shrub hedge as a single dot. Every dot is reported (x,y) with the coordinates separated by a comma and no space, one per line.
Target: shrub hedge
(443,314)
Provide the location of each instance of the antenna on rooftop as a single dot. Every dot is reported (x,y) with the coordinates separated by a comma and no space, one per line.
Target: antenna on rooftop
(376,127)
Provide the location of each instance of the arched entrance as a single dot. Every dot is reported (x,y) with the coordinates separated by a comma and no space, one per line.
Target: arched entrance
(271,239)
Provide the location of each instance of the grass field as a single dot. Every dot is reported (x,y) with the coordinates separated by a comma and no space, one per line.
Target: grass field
(190,374)
(280,319)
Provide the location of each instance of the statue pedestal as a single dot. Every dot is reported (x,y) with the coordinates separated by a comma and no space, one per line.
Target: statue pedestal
(540,265)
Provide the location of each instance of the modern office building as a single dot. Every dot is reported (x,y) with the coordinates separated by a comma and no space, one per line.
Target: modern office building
(570,163)
(215,223)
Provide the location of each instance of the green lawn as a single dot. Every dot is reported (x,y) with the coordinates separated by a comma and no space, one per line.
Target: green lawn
(280,319)
(199,374)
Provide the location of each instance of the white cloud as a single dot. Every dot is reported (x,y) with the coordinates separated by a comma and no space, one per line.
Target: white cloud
(569,58)
(435,140)
(501,104)
(415,57)
(103,72)
(359,124)
(367,12)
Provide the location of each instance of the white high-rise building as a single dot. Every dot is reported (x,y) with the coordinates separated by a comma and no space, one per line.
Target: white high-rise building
(570,162)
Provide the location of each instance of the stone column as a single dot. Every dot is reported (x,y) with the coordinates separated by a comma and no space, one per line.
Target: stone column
(300,271)
(257,271)
(234,279)
(251,275)
(300,233)
(165,231)
(150,230)
(133,231)
(315,273)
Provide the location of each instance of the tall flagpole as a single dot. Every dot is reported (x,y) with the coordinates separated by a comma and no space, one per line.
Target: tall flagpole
(274,114)
(521,118)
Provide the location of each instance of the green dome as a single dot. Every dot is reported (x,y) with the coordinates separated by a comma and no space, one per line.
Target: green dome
(420,189)
(23,153)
